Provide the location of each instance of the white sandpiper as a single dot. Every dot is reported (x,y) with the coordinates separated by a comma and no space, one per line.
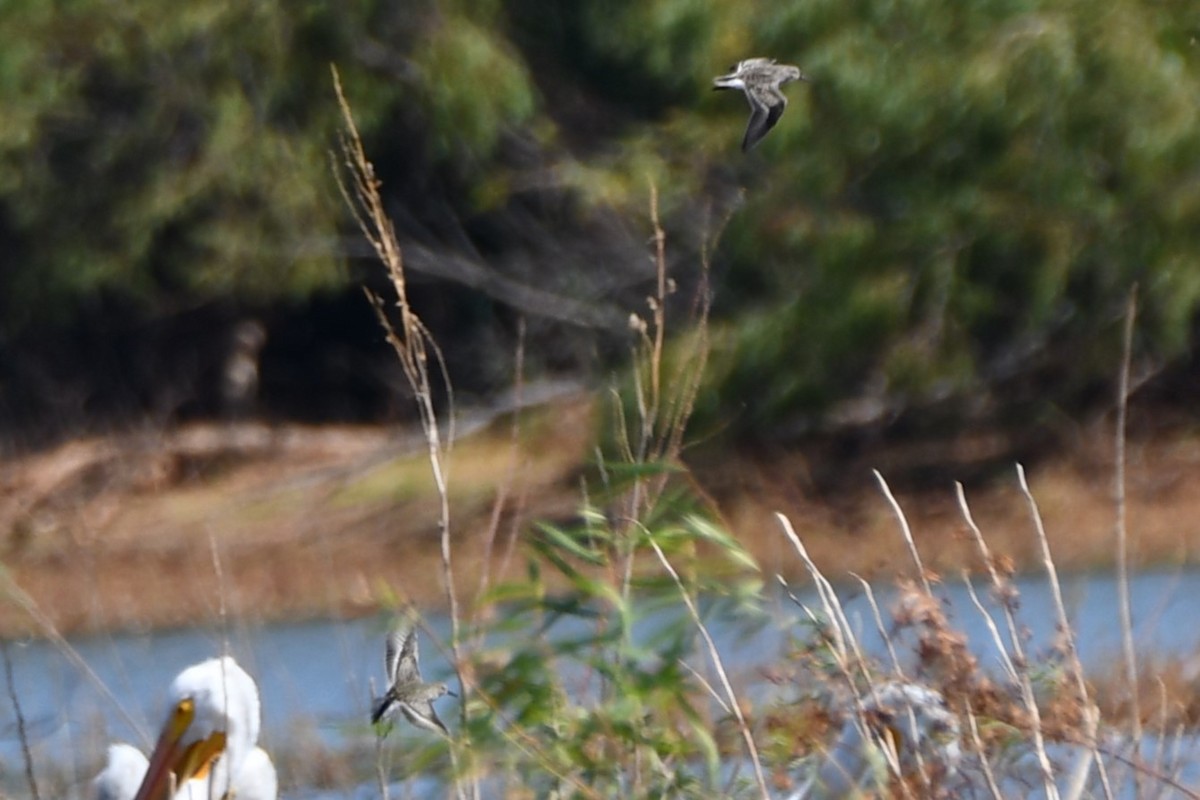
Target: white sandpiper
(760,79)
(407,694)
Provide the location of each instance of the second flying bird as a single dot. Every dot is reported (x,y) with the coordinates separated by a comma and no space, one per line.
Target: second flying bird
(760,79)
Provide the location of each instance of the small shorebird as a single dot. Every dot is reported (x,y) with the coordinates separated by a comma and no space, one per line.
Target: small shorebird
(760,79)
(407,693)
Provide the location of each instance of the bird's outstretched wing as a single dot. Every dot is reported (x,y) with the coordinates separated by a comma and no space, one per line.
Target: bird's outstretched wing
(400,656)
(409,667)
(763,117)
(422,715)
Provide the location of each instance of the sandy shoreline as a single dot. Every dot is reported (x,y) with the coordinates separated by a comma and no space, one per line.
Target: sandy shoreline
(291,523)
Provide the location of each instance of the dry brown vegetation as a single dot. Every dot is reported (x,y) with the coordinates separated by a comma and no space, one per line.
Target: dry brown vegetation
(120,533)
(106,533)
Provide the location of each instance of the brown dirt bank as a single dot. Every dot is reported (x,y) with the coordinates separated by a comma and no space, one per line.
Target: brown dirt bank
(268,523)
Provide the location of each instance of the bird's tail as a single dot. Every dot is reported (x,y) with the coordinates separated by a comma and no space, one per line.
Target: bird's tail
(379,707)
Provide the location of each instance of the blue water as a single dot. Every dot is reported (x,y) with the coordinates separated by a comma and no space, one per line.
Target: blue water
(320,674)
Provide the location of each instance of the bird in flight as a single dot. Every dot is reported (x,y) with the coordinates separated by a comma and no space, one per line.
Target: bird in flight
(760,79)
(407,694)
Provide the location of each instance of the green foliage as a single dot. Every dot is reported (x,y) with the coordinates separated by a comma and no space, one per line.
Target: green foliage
(598,696)
(156,151)
(175,154)
(962,197)
(962,190)
(645,56)
(473,88)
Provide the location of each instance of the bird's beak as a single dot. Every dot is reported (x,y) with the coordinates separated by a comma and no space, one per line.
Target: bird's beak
(172,764)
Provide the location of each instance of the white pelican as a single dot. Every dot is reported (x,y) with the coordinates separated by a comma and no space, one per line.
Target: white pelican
(126,768)
(206,746)
(407,694)
(256,780)
(122,774)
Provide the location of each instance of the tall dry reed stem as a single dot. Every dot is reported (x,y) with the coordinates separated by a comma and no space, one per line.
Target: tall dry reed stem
(915,554)
(1016,664)
(869,593)
(852,663)
(719,666)
(1077,777)
(1091,714)
(846,650)
(414,347)
(664,401)
(905,530)
(1121,531)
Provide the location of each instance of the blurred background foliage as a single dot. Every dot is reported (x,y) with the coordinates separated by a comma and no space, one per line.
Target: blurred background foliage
(950,216)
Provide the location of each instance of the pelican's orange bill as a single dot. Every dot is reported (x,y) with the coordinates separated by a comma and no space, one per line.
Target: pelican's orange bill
(173,764)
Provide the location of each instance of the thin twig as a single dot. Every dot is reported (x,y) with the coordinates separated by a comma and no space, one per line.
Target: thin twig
(1006,661)
(846,643)
(1091,713)
(381,771)
(664,405)
(905,530)
(649,398)
(222,611)
(988,777)
(890,746)
(845,638)
(879,626)
(708,687)
(30,607)
(22,734)
(1019,662)
(1123,593)
(659,309)
(1141,768)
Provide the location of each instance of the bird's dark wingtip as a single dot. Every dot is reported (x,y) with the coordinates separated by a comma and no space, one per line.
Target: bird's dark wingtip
(378,707)
(748,142)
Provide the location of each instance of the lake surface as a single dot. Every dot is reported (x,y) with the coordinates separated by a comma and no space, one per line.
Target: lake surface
(319,675)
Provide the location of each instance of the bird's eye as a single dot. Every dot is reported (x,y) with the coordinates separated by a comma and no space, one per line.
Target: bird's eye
(184,711)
